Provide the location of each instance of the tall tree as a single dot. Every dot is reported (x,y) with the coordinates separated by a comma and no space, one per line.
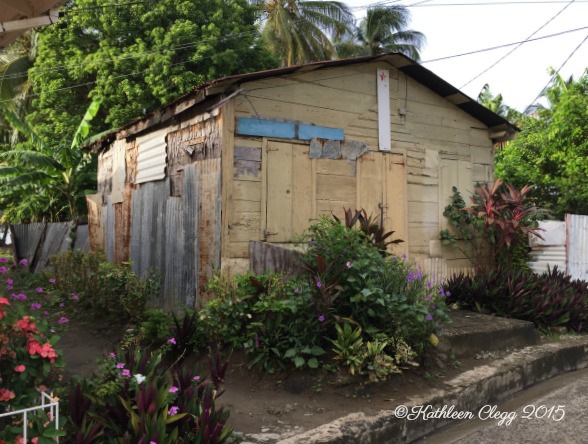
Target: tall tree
(497,105)
(384,29)
(137,56)
(295,30)
(551,151)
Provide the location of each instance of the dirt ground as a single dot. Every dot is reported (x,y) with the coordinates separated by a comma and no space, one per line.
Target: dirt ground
(283,402)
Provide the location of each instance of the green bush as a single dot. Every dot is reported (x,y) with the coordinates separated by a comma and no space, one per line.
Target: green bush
(549,299)
(104,288)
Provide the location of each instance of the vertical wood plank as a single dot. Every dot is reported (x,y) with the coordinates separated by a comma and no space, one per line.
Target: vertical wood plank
(279,191)
(190,248)
(264,184)
(395,189)
(370,187)
(227,123)
(302,191)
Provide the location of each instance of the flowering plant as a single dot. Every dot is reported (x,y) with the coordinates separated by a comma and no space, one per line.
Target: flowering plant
(29,361)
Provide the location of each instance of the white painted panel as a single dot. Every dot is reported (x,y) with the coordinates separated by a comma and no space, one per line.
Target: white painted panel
(577,246)
(383,82)
(553,233)
(118,170)
(151,161)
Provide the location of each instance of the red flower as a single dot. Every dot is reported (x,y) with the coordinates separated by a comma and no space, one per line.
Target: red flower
(6,395)
(26,325)
(20,368)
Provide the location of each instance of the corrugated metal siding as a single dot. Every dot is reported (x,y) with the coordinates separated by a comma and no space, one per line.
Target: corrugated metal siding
(577,246)
(38,242)
(151,161)
(550,251)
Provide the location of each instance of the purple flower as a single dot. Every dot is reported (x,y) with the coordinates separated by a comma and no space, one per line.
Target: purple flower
(172,341)
(120,365)
(318,284)
(45,313)
(9,287)
(35,306)
(428,297)
(410,277)
(74,297)
(447,293)
(296,290)
(196,378)
(23,262)
(9,281)
(429,317)
(3,269)
(51,281)
(173,389)
(126,373)
(442,291)
(3,260)
(61,304)
(112,355)
(63,320)
(173,410)
(18,297)
(129,330)
(404,256)
(429,285)
(39,289)
(321,318)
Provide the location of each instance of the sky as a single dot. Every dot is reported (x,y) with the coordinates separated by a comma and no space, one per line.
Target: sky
(455,27)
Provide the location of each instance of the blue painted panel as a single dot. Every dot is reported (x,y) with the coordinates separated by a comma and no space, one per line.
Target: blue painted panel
(268,128)
(307,132)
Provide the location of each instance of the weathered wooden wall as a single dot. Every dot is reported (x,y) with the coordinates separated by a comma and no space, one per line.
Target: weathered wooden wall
(171,226)
(435,146)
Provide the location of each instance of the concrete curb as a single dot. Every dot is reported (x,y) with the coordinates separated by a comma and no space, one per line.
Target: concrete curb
(490,383)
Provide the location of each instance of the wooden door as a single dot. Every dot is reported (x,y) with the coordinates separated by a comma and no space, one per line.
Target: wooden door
(287,200)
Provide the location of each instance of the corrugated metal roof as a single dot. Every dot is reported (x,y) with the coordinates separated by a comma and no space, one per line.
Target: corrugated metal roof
(405,64)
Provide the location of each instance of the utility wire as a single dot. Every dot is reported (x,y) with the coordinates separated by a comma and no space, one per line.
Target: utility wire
(557,72)
(518,46)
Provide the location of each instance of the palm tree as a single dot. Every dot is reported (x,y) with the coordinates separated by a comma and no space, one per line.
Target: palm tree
(384,30)
(294,30)
(492,102)
(39,182)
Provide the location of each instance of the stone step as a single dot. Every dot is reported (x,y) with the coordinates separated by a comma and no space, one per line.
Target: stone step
(471,333)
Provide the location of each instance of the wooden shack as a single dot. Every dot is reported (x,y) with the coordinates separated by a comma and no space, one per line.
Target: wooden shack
(254,157)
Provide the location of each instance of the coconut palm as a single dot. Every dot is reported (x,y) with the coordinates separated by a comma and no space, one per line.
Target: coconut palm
(295,30)
(384,29)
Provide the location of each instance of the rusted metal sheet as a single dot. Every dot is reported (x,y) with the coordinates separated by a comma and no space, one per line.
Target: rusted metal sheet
(95,227)
(577,233)
(173,268)
(82,241)
(209,224)
(56,239)
(131,155)
(151,161)
(190,257)
(265,257)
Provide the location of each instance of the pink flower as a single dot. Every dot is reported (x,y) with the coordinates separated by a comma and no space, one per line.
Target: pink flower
(62,304)
(20,368)
(172,341)
(196,378)
(173,410)
(39,290)
(173,389)
(75,297)
(9,281)
(63,320)
(120,365)
(3,269)
(23,262)
(126,373)
(35,306)
(51,281)
(3,260)
(112,355)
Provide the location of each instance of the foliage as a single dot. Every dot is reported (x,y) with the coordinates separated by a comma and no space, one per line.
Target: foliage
(136,397)
(29,359)
(294,30)
(42,182)
(137,57)
(550,152)
(384,29)
(495,225)
(549,299)
(104,288)
(496,105)
(301,322)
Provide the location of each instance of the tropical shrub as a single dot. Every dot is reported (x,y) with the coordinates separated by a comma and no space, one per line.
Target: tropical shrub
(549,299)
(136,397)
(493,231)
(105,288)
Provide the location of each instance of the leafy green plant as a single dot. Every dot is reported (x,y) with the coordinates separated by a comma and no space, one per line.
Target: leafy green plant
(549,299)
(348,347)
(495,225)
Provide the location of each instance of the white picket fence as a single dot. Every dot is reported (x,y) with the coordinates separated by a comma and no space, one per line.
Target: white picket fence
(47,402)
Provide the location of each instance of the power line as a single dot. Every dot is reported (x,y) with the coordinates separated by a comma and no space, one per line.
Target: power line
(487,3)
(518,46)
(557,72)
(506,45)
